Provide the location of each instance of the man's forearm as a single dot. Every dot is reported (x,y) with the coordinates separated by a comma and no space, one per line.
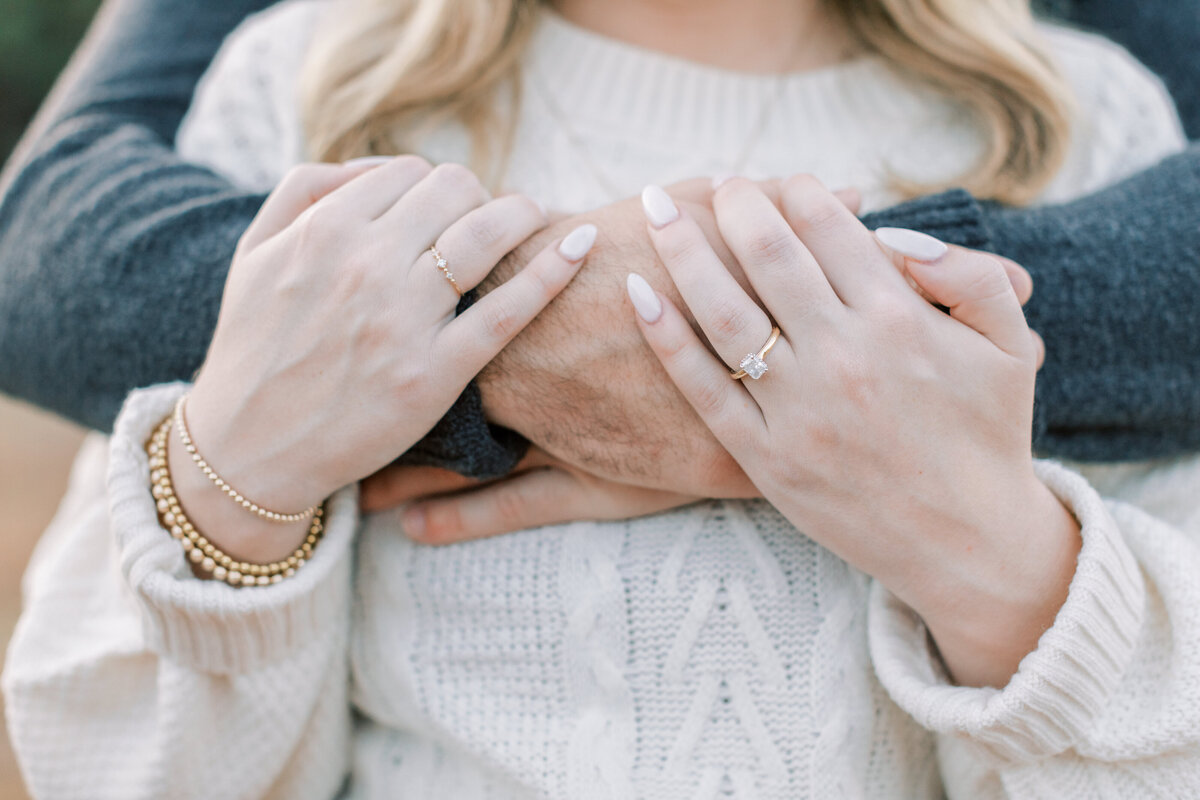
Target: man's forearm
(112,252)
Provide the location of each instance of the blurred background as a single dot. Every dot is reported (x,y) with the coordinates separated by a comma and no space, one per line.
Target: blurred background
(36,449)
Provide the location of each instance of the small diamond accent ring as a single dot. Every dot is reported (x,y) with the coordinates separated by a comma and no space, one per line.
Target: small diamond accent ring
(442,264)
(753,366)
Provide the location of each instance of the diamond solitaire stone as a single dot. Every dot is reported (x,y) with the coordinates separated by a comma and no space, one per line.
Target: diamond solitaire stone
(753,366)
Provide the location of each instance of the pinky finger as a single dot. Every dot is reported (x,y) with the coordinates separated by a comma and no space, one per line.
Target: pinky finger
(478,335)
(723,404)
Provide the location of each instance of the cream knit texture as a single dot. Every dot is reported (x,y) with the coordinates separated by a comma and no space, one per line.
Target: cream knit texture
(713,651)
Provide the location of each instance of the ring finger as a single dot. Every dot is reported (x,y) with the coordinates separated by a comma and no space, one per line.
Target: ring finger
(733,323)
(471,247)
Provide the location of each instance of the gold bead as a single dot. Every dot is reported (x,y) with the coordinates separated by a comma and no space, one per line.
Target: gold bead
(187,544)
(196,556)
(162,506)
(249,580)
(226,561)
(177,531)
(207,564)
(233,577)
(276,578)
(209,549)
(219,573)
(263,580)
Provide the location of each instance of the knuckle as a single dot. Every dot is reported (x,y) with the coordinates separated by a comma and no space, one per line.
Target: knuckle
(511,508)
(709,398)
(483,231)
(987,281)
(899,322)
(677,245)
(729,321)
(502,320)
(457,178)
(854,381)
(769,246)
(323,226)
(810,204)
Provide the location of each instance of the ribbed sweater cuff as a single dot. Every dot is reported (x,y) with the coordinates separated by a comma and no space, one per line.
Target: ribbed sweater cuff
(1064,684)
(209,625)
(954,216)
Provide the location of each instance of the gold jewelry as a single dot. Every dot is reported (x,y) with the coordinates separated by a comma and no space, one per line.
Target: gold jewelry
(204,553)
(441,264)
(752,365)
(219,482)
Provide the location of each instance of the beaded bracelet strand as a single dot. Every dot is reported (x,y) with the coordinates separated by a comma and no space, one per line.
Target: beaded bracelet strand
(233,494)
(204,553)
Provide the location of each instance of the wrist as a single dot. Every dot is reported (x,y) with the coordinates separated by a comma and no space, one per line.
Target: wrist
(229,527)
(253,450)
(986,613)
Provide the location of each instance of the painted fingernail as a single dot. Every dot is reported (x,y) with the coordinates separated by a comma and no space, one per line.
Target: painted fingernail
(660,208)
(644,300)
(578,242)
(367,161)
(914,244)
(413,522)
(721,179)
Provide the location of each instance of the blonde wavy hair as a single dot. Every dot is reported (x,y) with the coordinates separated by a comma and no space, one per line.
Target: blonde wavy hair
(386,71)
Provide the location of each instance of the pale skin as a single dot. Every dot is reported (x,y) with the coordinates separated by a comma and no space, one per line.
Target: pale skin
(359,387)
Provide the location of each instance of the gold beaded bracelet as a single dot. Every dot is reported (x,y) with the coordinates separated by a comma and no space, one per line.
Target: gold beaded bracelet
(233,494)
(204,553)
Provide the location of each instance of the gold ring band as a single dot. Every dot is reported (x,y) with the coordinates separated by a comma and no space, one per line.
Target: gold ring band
(441,263)
(753,366)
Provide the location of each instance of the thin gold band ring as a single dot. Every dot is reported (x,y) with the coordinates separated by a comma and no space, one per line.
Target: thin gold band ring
(442,265)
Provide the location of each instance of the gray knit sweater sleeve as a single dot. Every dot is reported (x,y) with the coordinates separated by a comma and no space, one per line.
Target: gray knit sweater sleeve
(113,255)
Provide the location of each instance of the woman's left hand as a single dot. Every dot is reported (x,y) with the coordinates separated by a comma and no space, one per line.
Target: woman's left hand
(896,435)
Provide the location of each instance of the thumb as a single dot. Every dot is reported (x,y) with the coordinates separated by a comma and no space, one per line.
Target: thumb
(974,287)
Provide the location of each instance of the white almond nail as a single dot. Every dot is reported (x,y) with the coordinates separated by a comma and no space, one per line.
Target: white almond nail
(578,242)
(644,300)
(913,244)
(660,208)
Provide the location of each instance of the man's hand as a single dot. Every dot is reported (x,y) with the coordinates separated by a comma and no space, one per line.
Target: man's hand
(580,382)
(542,491)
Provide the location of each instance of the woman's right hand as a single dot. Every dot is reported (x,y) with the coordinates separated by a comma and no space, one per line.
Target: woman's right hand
(337,346)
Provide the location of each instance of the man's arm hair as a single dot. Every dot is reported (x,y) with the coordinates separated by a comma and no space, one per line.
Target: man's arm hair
(114,252)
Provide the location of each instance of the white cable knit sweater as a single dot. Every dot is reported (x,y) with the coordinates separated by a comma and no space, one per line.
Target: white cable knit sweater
(709,652)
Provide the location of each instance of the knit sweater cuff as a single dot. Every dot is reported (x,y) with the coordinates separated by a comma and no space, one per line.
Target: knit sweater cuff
(1064,684)
(954,216)
(207,624)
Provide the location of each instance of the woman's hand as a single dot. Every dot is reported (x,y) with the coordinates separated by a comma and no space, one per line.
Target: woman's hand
(447,508)
(337,345)
(896,435)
